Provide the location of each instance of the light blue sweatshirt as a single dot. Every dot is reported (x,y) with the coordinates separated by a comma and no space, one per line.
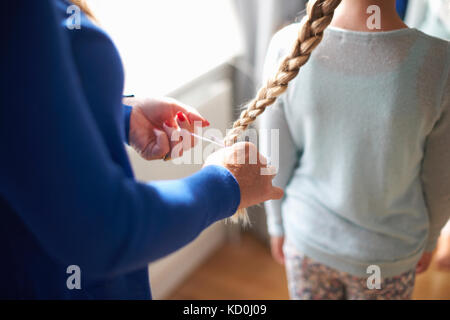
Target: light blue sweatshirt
(364,148)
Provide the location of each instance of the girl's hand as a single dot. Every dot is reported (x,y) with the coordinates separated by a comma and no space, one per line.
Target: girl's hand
(443,252)
(424,262)
(276,246)
(153,121)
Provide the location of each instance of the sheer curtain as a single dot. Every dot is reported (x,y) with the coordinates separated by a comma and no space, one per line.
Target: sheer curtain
(259,20)
(430,16)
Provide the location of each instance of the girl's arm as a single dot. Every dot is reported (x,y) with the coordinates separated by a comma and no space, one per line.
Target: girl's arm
(287,153)
(436,171)
(287,156)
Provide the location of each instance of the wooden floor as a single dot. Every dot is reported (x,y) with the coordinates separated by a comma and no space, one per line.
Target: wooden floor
(246,270)
(433,284)
(243,270)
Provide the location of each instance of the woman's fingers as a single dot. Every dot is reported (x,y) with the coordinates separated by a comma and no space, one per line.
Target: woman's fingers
(277,193)
(175,138)
(255,186)
(161,146)
(194,117)
(271,172)
(178,130)
(192,114)
(183,122)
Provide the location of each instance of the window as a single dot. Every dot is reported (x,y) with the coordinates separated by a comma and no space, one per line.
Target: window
(165,44)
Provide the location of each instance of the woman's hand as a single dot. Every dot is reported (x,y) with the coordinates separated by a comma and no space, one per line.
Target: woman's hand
(250,170)
(276,246)
(153,121)
(424,262)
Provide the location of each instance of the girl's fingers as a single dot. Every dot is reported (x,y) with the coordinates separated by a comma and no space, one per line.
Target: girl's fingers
(419,269)
(422,265)
(277,252)
(281,258)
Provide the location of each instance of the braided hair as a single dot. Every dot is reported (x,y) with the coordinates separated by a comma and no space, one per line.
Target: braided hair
(319,14)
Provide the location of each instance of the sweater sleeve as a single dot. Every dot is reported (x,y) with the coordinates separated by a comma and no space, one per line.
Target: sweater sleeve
(282,150)
(436,172)
(274,119)
(57,173)
(126,118)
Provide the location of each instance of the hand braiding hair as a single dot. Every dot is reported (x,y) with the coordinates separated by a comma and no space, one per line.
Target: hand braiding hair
(318,17)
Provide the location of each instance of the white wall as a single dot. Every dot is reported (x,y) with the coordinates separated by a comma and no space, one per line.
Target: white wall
(165,44)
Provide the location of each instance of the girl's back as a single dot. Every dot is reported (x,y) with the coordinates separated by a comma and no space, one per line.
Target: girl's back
(360,143)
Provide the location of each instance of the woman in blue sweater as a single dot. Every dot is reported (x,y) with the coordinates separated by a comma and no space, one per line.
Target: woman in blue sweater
(67,192)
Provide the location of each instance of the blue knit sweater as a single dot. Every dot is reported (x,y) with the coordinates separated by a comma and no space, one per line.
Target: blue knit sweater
(67,192)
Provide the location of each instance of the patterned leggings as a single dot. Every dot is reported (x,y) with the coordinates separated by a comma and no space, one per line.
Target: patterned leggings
(310,280)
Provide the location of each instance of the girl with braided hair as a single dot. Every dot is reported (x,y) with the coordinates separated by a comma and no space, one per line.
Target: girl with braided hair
(364,145)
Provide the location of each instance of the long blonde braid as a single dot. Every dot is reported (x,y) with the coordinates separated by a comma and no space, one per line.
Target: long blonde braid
(318,17)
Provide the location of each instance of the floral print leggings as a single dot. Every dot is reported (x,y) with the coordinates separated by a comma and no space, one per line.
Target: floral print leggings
(311,280)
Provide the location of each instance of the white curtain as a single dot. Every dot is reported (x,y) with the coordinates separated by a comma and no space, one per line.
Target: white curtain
(430,16)
(259,20)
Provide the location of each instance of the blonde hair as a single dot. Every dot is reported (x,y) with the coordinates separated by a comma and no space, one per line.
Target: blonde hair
(82,4)
(318,17)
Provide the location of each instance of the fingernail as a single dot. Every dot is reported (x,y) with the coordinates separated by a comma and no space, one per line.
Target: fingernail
(181,116)
(206,122)
(168,124)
